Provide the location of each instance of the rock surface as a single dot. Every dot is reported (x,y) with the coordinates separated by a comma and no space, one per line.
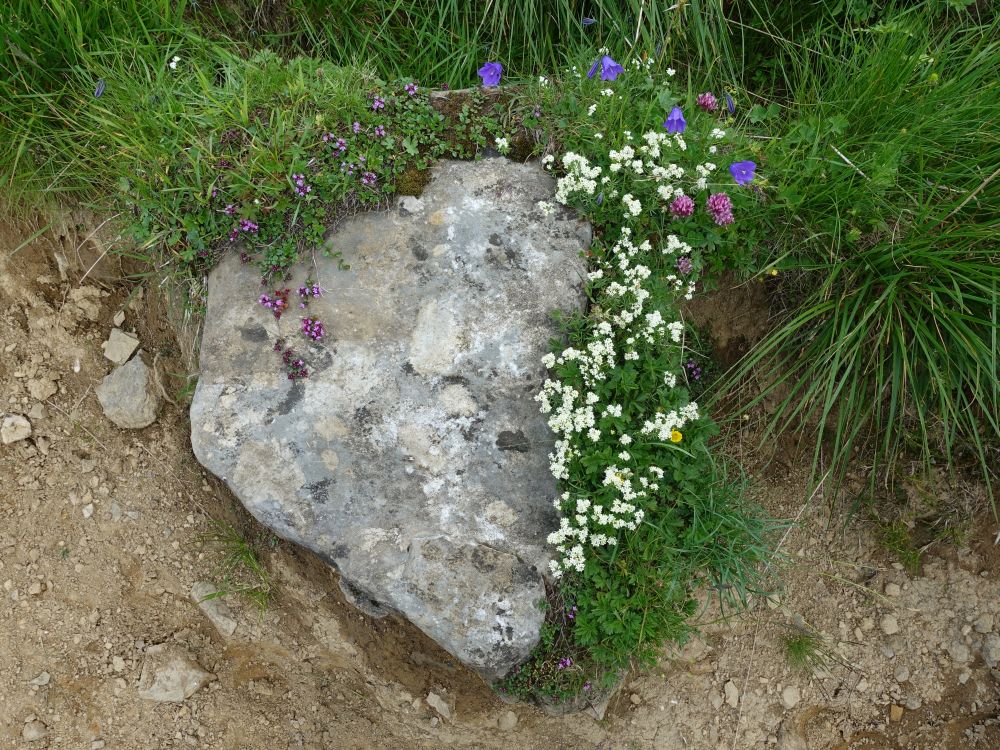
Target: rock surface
(413,457)
(170,675)
(128,396)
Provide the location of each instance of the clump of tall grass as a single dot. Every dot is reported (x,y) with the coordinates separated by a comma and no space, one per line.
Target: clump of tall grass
(885,211)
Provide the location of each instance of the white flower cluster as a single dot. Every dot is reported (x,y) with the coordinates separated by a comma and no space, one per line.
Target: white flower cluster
(546,207)
(662,425)
(580,177)
(503,145)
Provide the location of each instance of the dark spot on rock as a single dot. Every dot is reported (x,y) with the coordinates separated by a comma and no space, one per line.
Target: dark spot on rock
(294,396)
(320,360)
(254,333)
(318,491)
(482,560)
(513,441)
(408,368)
(419,251)
(495,239)
(455,380)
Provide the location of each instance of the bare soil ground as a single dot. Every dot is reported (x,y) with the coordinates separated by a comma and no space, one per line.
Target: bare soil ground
(102,539)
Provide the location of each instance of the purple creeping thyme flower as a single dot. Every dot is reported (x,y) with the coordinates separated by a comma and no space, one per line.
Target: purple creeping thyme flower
(369,179)
(248,226)
(327,137)
(684,266)
(491,73)
(313,328)
(586,687)
(215,192)
(378,103)
(565,662)
(536,112)
(379,131)
(693,370)
(707,101)
(356,127)
(301,188)
(742,171)
(682,207)
(229,210)
(721,208)
(675,122)
(410,88)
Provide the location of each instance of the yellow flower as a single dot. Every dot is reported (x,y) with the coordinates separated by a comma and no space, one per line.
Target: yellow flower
(676,436)
(774,271)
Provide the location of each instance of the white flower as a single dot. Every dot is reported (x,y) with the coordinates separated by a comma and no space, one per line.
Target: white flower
(625,440)
(607,92)
(591,109)
(546,208)
(670,379)
(671,72)
(598,136)
(543,80)
(173,62)
(594,434)
(503,145)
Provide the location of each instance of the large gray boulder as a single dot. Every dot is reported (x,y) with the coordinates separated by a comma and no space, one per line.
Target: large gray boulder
(413,457)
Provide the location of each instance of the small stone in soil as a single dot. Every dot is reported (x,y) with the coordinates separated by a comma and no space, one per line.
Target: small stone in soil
(438,703)
(732,693)
(120,346)
(895,712)
(892,589)
(34,731)
(41,681)
(983,624)
(14,428)
(889,625)
(507,721)
(790,696)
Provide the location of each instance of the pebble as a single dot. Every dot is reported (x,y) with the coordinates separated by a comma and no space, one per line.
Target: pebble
(958,652)
(38,411)
(97,745)
(636,700)
(34,731)
(120,346)
(439,704)
(892,589)
(119,318)
(716,700)
(507,721)
(902,673)
(14,428)
(889,624)
(42,388)
(170,675)
(42,680)
(790,696)
(895,713)
(983,624)
(732,693)
(207,597)
(88,510)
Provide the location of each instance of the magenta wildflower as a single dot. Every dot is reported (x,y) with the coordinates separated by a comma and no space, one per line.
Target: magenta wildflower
(301,188)
(410,88)
(565,662)
(379,131)
(682,207)
(229,210)
(693,370)
(378,103)
(276,304)
(707,101)
(491,73)
(721,208)
(248,226)
(684,266)
(356,127)
(313,328)
(369,179)
(586,686)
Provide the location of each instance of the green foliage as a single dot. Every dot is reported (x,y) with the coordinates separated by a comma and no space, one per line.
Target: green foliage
(240,570)
(883,221)
(897,539)
(805,650)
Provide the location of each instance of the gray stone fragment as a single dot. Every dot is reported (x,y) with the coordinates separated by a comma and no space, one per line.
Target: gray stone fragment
(439,704)
(14,428)
(34,731)
(507,721)
(128,396)
(206,596)
(120,346)
(170,675)
(413,457)
(42,388)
